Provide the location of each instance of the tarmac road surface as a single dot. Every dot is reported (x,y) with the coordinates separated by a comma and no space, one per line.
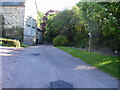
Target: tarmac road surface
(37,66)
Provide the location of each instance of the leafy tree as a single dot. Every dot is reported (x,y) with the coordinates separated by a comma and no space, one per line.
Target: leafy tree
(67,23)
(102,20)
(39,18)
(99,18)
(50,29)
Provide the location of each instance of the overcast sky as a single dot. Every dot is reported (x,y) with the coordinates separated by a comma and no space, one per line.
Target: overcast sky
(45,5)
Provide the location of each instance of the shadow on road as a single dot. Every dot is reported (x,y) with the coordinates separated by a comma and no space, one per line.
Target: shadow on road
(57,85)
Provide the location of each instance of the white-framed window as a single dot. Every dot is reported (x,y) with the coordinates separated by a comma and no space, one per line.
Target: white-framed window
(28,21)
(33,23)
(32,32)
(27,30)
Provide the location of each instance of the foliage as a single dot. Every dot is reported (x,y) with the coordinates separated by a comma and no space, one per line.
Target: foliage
(51,33)
(10,42)
(39,18)
(106,63)
(23,45)
(102,20)
(60,41)
(67,23)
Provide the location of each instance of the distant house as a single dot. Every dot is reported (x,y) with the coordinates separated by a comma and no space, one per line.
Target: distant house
(19,20)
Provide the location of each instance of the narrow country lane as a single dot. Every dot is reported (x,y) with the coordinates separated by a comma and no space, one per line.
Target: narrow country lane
(37,66)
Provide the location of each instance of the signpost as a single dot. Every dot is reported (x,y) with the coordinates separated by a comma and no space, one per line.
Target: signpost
(89,42)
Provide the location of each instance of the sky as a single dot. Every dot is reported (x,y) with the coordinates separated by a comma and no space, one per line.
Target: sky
(45,5)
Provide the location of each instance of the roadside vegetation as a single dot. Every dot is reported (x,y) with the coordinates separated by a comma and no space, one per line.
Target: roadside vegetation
(109,64)
(11,43)
(23,45)
(101,19)
(60,41)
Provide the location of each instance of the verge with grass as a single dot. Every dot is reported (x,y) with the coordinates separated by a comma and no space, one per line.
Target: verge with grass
(23,45)
(107,63)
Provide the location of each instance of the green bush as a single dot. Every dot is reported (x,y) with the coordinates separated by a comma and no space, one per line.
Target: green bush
(60,41)
(10,42)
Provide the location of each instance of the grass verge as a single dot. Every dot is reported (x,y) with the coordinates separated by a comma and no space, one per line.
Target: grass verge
(106,63)
(24,45)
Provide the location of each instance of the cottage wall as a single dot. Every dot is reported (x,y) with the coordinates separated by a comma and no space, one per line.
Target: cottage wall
(12,21)
(30,24)
(19,21)
(1,25)
(13,16)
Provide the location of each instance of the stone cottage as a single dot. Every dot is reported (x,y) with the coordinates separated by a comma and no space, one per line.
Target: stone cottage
(19,20)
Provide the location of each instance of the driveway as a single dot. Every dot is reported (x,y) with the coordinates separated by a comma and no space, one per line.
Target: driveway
(37,66)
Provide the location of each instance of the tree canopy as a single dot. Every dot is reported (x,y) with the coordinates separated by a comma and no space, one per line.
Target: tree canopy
(99,18)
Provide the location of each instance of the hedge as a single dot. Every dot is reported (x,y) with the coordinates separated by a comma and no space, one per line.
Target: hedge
(60,41)
(10,42)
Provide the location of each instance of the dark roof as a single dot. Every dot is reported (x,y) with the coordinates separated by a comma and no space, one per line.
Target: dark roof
(40,29)
(11,3)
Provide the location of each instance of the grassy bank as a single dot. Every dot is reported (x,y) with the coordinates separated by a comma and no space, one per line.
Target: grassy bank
(105,63)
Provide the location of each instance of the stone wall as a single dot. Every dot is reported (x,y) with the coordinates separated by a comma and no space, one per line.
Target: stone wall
(13,16)
(29,40)
(13,21)
(1,25)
